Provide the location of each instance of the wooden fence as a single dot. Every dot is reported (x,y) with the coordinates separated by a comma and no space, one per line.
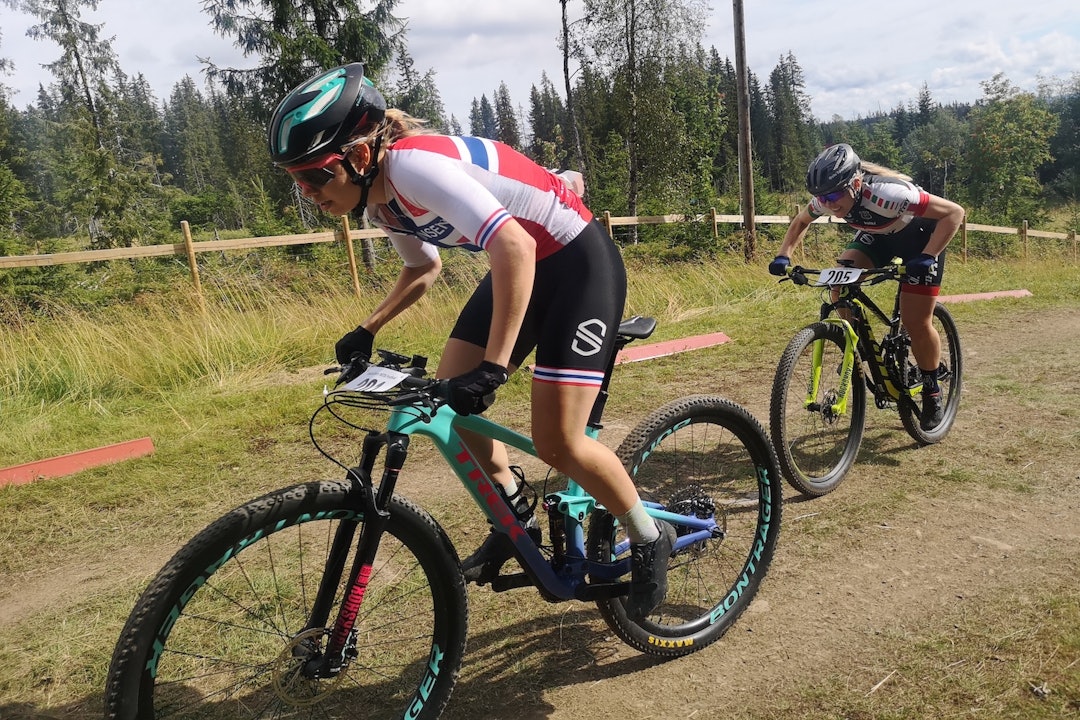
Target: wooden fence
(345,235)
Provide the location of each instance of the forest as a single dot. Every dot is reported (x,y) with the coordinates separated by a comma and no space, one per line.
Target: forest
(649,115)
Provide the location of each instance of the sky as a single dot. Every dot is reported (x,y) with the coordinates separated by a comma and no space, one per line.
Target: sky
(857,59)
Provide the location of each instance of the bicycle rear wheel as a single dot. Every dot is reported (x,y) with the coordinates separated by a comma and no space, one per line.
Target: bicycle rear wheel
(220,632)
(702,456)
(950,377)
(815,445)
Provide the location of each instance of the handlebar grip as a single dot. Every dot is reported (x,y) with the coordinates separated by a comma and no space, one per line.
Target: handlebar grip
(418,383)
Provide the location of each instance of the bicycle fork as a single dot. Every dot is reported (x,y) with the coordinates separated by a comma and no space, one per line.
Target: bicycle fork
(847,367)
(341,644)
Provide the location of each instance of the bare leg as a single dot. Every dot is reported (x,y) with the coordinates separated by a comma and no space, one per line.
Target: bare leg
(460,357)
(917,315)
(559,416)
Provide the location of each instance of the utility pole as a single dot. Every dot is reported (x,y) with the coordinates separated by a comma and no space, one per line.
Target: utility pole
(746,169)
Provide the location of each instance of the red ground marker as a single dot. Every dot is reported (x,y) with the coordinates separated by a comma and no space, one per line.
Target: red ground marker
(983,296)
(662,349)
(634,353)
(76,461)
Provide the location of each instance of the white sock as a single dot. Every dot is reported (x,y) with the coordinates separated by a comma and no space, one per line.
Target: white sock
(640,527)
(511,487)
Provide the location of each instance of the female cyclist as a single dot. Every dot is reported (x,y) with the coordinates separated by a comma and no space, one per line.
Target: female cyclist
(556,283)
(892,218)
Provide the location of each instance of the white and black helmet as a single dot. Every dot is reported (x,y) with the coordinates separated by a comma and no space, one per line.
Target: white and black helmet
(321,114)
(833,169)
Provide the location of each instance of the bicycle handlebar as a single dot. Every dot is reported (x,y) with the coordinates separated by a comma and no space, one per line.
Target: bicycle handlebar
(416,387)
(871,276)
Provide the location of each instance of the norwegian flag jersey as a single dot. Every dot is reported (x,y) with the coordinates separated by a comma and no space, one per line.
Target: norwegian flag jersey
(450,191)
(885,205)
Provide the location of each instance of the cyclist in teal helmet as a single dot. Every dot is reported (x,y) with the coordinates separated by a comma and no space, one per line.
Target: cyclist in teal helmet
(556,284)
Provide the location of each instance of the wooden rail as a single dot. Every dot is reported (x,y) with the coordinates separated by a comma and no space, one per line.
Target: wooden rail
(345,235)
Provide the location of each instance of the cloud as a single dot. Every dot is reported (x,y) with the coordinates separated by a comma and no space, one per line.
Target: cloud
(856,60)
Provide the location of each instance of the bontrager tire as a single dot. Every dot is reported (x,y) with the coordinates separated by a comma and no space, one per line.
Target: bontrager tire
(951,376)
(816,446)
(220,632)
(705,456)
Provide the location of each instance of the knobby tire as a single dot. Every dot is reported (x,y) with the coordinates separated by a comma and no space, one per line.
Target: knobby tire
(814,446)
(953,363)
(707,456)
(222,622)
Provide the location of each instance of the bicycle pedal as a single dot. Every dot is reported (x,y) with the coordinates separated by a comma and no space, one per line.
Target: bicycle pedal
(590,592)
(502,583)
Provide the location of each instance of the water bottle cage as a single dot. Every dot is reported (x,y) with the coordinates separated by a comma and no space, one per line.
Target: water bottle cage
(523,501)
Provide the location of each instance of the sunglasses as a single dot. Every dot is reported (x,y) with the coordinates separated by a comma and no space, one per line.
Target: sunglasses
(317,173)
(833,196)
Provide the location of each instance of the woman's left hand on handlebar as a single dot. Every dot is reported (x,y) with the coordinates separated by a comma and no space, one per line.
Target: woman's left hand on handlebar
(474,392)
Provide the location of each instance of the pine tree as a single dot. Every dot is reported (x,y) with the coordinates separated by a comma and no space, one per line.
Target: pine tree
(506,122)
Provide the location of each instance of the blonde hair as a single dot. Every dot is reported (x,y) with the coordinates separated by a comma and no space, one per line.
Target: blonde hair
(870,168)
(395,125)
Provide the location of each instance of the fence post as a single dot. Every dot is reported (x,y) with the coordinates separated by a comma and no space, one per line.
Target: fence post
(189,248)
(1072,237)
(715,228)
(343,233)
(963,237)
(607,224)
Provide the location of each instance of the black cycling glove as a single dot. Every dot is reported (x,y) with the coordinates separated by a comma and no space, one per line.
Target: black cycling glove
(474,392)
(921,269)
(358,342)
(779,265)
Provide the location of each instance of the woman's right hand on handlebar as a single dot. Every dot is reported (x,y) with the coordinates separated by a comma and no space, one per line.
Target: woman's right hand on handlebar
(779,266)
(357,342)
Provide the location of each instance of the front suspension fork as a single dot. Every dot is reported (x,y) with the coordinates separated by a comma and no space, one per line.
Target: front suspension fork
(373,506)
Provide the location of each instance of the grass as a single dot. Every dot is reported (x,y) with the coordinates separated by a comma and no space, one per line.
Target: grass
(226,397)
(964,669)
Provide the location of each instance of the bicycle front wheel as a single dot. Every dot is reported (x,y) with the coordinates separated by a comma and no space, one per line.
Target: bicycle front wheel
(815,443)
(222,632)
(708,458)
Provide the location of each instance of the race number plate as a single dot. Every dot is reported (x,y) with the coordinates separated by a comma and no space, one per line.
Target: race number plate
(375,379)
(838,276)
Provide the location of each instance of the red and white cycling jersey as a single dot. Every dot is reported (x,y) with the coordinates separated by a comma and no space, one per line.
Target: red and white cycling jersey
(885,205)
(448,191)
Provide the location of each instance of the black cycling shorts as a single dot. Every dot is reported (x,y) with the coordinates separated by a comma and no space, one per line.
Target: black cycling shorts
(573,314)
(905,244)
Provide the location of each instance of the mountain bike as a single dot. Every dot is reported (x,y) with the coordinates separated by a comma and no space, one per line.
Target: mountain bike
(343,599)
(818,405)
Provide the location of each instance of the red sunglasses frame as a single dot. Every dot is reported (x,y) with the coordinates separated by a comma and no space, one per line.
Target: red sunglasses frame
(315,174)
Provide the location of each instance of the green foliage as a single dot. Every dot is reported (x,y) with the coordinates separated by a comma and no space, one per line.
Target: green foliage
(265,219)
(417,93)
(789,139)
(1009,142)
(292,39)
(506,118)
(101,163)
(934,151)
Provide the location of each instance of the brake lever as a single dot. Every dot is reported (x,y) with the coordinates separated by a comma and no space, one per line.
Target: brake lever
(348,371)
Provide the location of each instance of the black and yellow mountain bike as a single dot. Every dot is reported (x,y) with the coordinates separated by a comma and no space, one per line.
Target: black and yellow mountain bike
(818,403)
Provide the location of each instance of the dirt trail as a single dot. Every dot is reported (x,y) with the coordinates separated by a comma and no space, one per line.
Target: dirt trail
(909,562)
(912,541)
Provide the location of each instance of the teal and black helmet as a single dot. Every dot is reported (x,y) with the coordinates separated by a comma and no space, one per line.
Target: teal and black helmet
(321,114)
